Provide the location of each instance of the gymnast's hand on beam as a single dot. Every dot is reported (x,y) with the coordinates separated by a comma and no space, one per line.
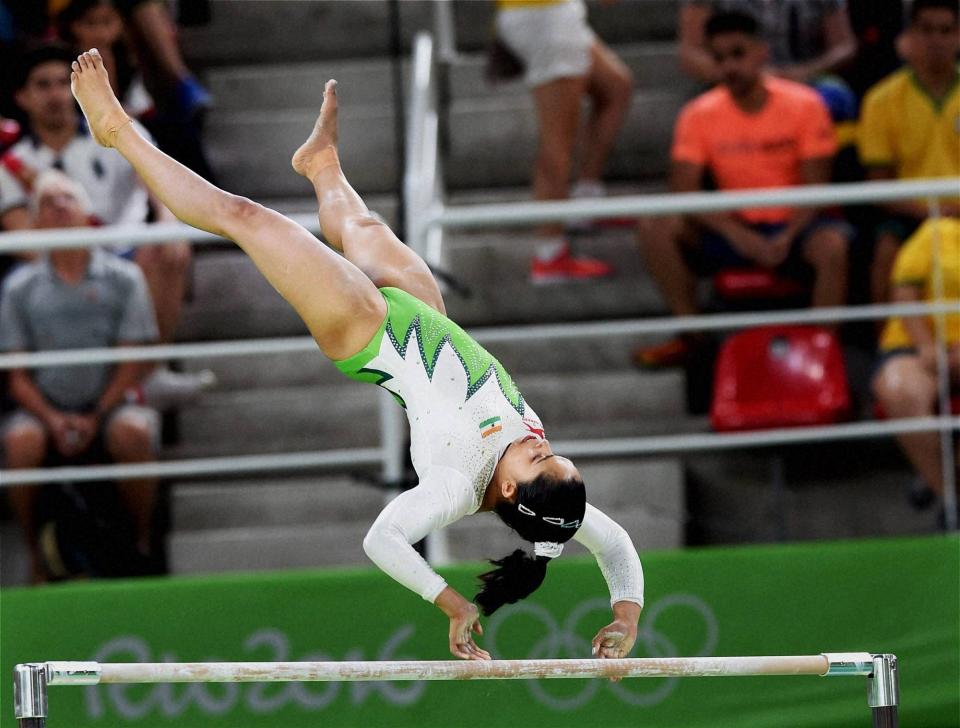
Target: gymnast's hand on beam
(464,620)
(616,639)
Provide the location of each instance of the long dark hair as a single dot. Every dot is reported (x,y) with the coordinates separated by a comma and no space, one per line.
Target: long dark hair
(547,512)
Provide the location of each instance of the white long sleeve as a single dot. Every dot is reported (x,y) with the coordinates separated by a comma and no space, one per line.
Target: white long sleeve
(617,558)
(442,497)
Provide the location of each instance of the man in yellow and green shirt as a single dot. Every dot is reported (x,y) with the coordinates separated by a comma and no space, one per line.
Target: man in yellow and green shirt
(906,379)
(910,128)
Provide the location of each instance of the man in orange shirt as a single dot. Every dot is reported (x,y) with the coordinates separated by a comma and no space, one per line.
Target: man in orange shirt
(751,131)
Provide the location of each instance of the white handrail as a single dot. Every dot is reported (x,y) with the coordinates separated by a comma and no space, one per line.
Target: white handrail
(596,448)
(487,335)
(514,213)
(511,213)
(197,467)
(128,234)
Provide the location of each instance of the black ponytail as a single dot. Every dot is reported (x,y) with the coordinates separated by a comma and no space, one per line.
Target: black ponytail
(516,577)
(547,512)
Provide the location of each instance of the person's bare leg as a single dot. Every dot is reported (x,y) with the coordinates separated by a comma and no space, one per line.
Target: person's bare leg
(826,251)
(25,447)
(128,439)
(338,303)
(347,223)
(907,389)
(558,117)
(165,270)
(660,240)
(610,86)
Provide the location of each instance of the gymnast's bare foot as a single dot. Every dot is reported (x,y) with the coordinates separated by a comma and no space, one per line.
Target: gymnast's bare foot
(91,87)
(320,148)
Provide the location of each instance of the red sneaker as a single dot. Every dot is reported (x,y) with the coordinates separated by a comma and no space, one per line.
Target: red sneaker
(566,267)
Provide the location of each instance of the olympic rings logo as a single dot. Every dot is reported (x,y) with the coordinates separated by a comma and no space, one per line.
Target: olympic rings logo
(566,641)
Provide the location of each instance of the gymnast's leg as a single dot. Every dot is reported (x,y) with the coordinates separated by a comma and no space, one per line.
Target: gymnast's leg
(339,304)
(348,225)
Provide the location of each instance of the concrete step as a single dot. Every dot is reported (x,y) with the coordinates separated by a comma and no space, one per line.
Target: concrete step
(232,300)
(493,140)
(251,149)
(370,81)
(654,66)
(833,490)
(14,556)
(252,548)
(496,264)
(521,358)
(301,522)
(627,21)
(272,31)
(361,82)
(492,143)
(268,420)
(270,502)
(283,419)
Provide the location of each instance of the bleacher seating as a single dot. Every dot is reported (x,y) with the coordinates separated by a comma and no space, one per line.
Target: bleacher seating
(267,95)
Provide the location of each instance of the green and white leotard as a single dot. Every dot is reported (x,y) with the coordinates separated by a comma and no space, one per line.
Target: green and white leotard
(464,410)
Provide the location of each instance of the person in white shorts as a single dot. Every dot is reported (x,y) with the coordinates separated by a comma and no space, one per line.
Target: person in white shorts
(377,312)
(564,61)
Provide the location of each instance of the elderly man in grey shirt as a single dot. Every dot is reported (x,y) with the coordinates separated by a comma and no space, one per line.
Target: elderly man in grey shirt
(76,299)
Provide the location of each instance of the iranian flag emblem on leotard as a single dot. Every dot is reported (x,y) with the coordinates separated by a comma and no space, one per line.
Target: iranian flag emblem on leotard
(488,427)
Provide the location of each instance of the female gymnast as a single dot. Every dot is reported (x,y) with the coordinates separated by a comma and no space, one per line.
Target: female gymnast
(377,312)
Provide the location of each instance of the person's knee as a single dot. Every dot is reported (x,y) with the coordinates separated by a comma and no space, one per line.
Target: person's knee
(903,390)
(130,437)
(828,250)
(25,446)
(236,211)
(167,260)
(175,258)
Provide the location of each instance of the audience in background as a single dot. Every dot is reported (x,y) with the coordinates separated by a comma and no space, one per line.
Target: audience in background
(58,139)
(906,379)
(908,128)
(807,38)
(565,62)
(176,121)
(753,130)
(173,109)
(85,24)
(67,415)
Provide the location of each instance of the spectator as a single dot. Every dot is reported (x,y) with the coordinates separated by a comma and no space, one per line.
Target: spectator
(906,380)
(807,38)
(85,24)
(754,130)
(176,120)
(909,130)
(76,298)
(565,62)
(57,139)
(168,78)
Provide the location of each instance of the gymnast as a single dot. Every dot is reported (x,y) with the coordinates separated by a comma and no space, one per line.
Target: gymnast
(377,312)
